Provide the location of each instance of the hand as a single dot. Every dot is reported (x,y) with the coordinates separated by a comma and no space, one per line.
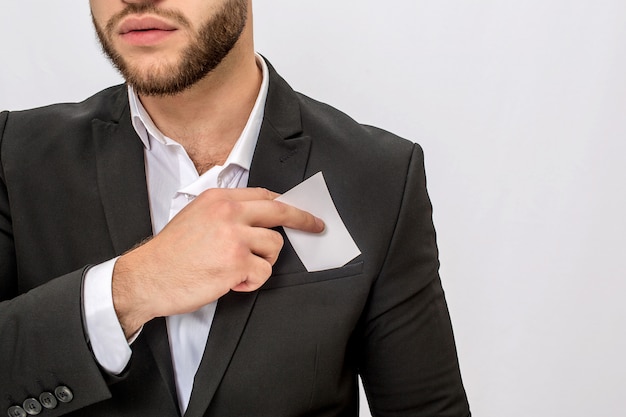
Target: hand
(220,242)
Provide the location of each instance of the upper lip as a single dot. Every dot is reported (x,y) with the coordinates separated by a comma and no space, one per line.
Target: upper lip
(131,24)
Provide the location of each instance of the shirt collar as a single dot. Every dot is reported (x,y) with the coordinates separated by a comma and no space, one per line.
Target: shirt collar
(242,151)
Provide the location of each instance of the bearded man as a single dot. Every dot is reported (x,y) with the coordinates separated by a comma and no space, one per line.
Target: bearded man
(143,267)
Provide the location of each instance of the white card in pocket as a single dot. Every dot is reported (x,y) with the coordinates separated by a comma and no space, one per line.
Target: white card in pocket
(332,248)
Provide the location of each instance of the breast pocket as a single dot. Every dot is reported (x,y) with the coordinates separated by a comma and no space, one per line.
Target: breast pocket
(304,277)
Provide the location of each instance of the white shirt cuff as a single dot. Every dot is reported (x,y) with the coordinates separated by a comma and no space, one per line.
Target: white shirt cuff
(108,342)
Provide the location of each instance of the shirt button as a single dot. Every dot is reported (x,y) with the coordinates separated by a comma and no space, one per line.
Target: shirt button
(48,400)
(17,411)
(64,394)
(32,406)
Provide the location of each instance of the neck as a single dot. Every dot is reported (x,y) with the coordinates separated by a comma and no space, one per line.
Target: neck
(208,118)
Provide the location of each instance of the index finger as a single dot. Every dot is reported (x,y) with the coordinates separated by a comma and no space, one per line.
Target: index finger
(272,213)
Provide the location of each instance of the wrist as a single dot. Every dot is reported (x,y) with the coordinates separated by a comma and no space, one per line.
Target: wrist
(129,300)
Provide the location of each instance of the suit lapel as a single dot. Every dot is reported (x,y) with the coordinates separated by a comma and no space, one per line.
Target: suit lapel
(122,185)
(279,163)
(122,181)
(282,151)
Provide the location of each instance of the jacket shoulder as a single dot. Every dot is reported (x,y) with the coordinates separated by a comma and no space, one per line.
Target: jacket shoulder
(326,123)
(61,118)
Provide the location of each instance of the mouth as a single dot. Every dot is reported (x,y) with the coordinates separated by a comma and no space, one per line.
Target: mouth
(145,31)
(144,24)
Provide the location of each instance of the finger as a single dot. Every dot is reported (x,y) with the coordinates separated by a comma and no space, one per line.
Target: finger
(259,270)
(265,243)
(272,213)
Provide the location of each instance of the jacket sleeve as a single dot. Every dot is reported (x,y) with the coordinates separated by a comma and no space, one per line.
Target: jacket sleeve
(43,348)
(409,364)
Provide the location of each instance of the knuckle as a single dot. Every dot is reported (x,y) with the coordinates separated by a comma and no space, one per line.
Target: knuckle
(277,239)
(264,193)
(279,208)
(264,271)
(237,252)
(227,209)
(258,275)
(212,194)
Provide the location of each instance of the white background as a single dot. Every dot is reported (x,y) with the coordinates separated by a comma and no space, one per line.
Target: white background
(520,107)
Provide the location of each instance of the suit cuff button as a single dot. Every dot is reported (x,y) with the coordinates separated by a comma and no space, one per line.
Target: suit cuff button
(17,411)
(48,400)
(32,406)
(64,394)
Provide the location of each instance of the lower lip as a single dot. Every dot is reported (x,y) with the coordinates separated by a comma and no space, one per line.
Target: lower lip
(146,37)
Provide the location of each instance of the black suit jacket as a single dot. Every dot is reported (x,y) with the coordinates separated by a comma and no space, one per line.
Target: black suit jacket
(73,194)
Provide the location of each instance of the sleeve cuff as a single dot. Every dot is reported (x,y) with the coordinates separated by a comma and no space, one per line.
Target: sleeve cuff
(108,342)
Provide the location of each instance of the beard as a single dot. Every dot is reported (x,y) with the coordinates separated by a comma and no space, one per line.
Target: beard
(210,45)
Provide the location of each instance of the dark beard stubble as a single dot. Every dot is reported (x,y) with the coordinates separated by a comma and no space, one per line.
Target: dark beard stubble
(213,42)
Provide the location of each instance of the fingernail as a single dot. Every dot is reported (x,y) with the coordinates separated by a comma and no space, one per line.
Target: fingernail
(320,224)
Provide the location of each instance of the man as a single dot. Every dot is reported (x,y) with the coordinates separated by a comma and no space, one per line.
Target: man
(215,314)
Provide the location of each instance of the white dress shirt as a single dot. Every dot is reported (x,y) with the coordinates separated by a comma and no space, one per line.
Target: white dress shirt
(173,182)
